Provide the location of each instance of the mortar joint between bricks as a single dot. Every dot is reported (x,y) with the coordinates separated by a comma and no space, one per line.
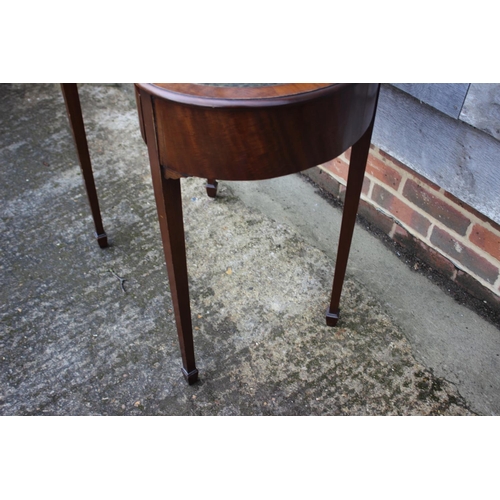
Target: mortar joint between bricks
(497,284)
(468,231)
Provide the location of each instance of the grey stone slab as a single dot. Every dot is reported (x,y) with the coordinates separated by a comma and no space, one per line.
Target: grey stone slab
(445,97)
(482,108)
(459,158)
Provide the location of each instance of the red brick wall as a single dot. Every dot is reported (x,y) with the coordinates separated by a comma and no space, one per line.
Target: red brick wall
(446,233)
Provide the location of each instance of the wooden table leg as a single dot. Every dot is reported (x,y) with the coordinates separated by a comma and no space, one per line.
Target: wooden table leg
(73,108)
(169,205)
(357,166)
(211,187)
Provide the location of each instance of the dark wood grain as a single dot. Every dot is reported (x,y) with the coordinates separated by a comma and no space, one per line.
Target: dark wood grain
(254,138)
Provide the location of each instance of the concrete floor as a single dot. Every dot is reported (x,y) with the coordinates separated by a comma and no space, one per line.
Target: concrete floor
(260,259)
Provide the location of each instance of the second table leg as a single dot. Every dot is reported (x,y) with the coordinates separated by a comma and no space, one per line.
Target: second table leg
(73,108)
(357,165)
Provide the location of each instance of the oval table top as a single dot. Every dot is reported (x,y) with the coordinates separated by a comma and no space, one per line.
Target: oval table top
(237,94)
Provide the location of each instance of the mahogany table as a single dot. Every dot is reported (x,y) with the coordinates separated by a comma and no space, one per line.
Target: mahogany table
(234,132)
